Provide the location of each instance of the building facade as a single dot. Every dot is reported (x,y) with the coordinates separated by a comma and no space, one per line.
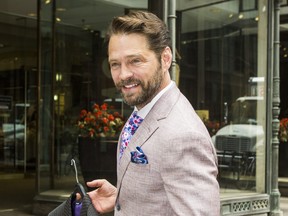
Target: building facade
(228,61)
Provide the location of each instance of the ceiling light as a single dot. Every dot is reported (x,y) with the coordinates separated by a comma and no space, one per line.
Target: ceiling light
(47,2)
(240,16)
(257,18)
(32,14)
(58,77)
(61,9)
(58,19)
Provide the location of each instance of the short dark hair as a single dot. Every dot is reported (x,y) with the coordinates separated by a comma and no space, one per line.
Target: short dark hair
(145,23)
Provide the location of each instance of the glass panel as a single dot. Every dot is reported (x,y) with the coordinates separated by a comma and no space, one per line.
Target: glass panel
(18,79)
(224,78)
(46,92)
(283,116)
(82,79)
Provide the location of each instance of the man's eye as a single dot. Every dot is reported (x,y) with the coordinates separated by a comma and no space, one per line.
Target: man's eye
(114,65)
(135,61)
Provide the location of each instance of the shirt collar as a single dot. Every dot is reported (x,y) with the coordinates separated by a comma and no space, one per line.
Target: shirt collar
(146,109)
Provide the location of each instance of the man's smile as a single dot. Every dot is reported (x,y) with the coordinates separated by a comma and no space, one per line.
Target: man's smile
(130,86)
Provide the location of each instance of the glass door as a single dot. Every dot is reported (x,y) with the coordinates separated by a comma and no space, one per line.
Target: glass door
(75,77)
(18,81)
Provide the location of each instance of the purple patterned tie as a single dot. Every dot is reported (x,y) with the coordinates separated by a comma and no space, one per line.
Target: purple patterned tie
(128,131)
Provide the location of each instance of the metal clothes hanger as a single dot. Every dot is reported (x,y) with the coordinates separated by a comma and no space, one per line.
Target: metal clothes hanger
(73,206)
(78,187)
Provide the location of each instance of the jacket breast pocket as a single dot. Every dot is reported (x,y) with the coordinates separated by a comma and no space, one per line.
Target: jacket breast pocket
(144,174)
(141,177)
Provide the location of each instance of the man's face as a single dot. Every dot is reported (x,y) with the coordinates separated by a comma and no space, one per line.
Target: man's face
(135,69)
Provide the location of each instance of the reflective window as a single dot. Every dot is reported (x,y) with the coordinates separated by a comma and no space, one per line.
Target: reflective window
(85,101)
(283,116)
(222,58)
(18,81)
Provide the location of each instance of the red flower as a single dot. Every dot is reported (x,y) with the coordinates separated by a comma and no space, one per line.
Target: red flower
(111,117)
(106,129)
(102,121)
(83,113)
(283,130)
(105,120)
(104,107)
(96,106)
(116,114)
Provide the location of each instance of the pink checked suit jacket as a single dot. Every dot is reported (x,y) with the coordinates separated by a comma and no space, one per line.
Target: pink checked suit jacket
(180,177)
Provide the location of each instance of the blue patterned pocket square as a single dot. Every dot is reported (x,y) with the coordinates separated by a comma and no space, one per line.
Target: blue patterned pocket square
(138,156)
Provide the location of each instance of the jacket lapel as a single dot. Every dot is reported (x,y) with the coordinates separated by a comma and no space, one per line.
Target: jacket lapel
(143,133)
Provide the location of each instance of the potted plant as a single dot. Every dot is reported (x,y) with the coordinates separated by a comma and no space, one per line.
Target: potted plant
(98,134)
(102,121)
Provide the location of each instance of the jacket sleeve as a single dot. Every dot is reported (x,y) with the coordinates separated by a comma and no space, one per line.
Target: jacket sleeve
(190,173)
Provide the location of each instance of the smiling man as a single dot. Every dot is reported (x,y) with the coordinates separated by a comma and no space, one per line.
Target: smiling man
(136,69)
(166,164)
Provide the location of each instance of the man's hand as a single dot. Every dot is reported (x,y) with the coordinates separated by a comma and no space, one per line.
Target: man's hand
(104,196)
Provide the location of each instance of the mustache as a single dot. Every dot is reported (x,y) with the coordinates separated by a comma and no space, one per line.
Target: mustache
(129,81)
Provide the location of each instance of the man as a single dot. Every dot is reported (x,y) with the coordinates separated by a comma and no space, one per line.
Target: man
(178,173)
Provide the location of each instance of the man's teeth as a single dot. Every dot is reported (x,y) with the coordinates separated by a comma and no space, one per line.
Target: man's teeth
(130,86)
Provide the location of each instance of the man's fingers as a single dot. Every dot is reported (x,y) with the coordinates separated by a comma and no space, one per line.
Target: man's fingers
(96,183)
(78,196)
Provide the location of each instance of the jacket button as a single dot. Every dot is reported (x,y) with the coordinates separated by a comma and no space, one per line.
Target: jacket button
(118,207)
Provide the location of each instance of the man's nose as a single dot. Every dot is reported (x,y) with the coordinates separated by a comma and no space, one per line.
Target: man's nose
(125,72)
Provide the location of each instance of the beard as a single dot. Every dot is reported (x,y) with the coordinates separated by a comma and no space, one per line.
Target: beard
(147,92)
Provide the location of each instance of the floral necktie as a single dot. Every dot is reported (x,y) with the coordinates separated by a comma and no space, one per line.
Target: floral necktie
(128,131)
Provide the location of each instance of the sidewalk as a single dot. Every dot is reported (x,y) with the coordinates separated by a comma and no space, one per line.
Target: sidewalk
(25,211)
(17,195)
(284,205)
(17,199)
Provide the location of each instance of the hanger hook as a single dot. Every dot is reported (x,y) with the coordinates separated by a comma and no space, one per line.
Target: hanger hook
(73,163)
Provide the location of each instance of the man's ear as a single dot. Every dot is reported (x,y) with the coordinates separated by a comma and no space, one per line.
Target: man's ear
(166,58)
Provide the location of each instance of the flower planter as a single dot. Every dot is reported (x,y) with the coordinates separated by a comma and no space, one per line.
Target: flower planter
(283,159)
(97,158)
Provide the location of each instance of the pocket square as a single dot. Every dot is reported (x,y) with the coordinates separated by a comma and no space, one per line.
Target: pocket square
(138,156)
